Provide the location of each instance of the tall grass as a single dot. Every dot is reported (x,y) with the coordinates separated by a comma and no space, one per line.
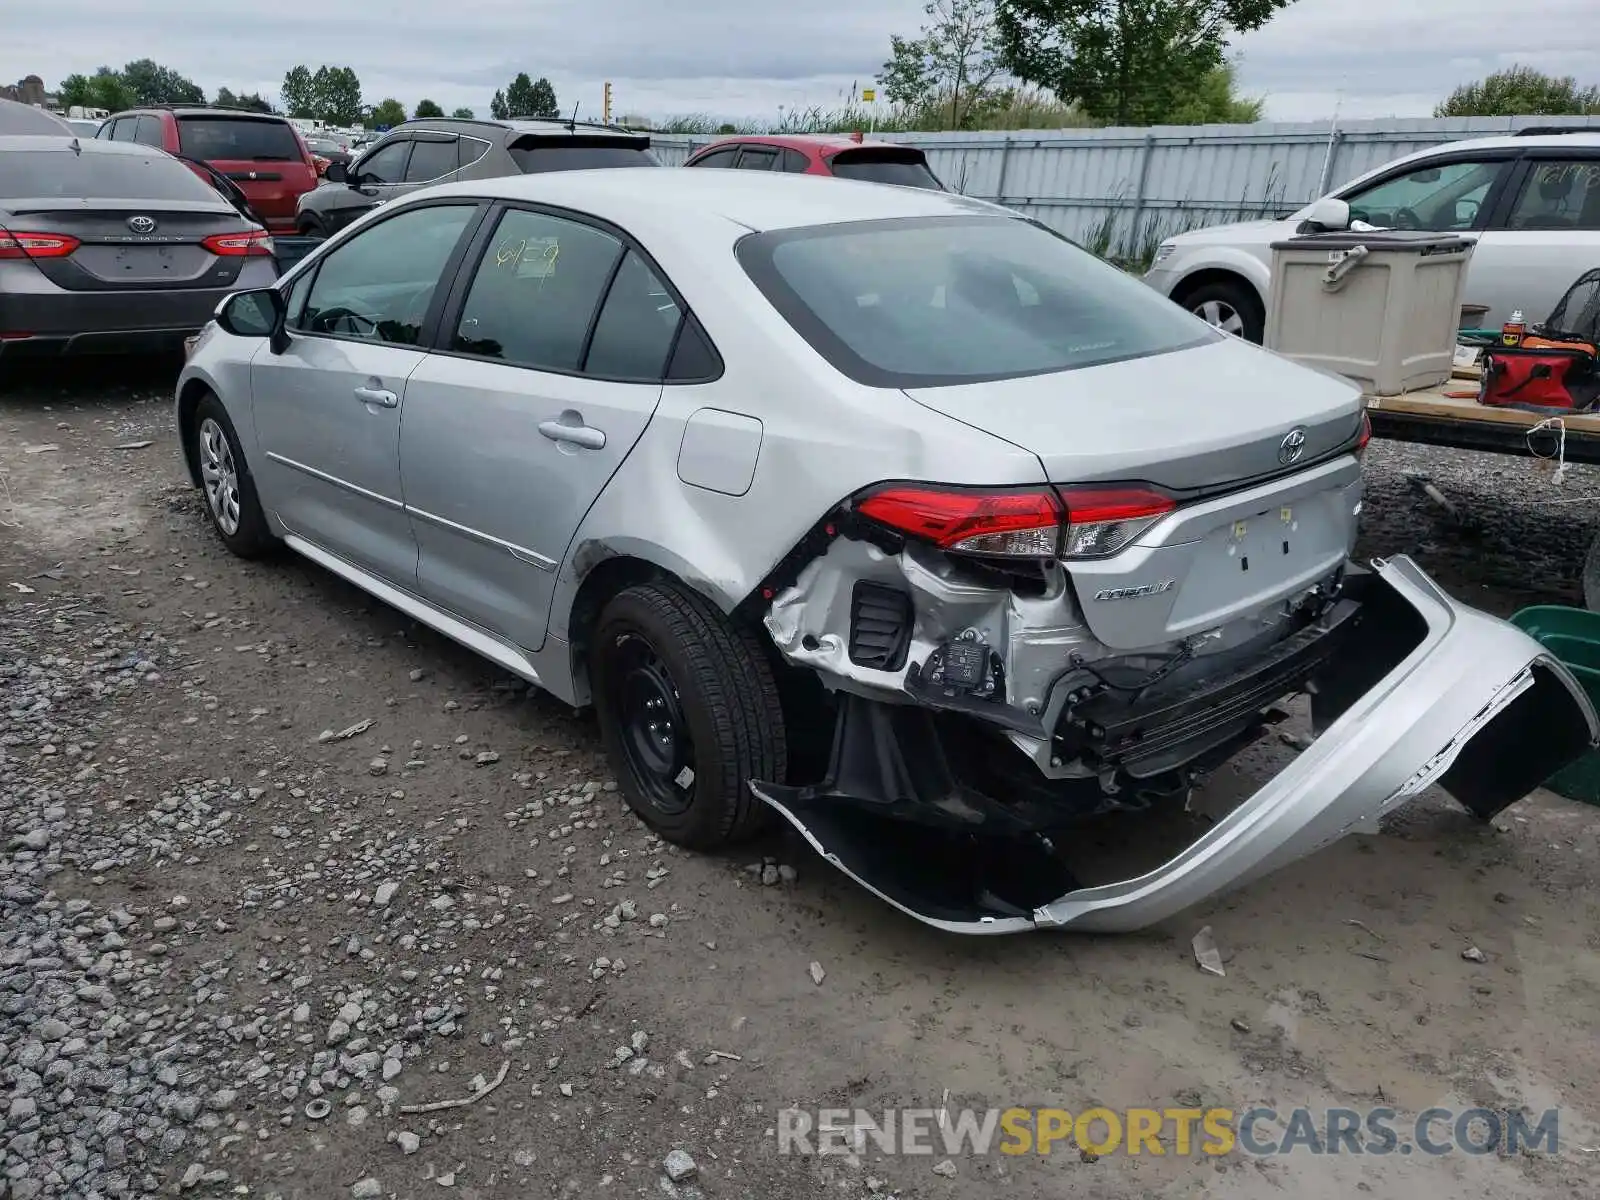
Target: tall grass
(1009,109)
(1132,244)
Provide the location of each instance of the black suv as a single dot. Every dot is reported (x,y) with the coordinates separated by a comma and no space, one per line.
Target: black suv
(445,149)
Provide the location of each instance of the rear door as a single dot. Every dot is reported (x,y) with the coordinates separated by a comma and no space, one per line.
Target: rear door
(435,158)
(328,409)
(1541,238)
(263,155)
(549,366)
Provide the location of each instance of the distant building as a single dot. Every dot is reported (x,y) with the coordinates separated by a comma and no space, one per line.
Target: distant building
(29,90)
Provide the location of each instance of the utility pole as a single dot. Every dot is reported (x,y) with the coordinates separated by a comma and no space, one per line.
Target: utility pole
(605,106)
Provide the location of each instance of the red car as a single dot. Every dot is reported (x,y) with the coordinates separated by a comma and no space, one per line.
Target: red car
(260,152)
(845,156)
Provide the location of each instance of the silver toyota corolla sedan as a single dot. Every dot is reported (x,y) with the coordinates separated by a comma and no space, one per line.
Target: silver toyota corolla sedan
(885,510)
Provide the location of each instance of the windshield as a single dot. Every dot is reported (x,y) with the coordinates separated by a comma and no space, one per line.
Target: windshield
(926,302)
(872,166)
(240,139)
(535,155)
(99,176)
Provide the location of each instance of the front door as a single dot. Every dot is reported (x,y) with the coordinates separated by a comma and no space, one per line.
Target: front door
(547,373)
(328,409)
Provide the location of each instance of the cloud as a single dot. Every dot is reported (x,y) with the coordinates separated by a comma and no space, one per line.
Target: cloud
(747,57)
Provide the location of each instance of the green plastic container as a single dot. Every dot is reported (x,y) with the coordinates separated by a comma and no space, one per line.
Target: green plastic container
(1572,635)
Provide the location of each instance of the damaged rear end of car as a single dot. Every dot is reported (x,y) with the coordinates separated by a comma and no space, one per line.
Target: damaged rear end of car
(1007,667)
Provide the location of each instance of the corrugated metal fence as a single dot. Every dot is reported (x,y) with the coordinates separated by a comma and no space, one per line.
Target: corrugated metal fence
(1122,190)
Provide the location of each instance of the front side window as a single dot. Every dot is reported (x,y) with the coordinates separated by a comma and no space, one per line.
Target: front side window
(535,292)
(925,302)
(757,158)
(431,160)
(1559,194)
(718,158)
(386,164)
(1440,198)
(125,129)
(379,284)
(148,131)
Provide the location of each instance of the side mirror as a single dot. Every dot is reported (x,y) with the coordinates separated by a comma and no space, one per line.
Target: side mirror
(334,172)
(254,314)
(1329,214)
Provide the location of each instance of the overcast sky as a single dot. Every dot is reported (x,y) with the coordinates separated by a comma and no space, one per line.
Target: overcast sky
(748,57)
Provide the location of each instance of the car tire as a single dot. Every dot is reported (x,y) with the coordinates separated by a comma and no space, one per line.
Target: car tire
(312,227)
(689,714)
(1232,306)
(227,485)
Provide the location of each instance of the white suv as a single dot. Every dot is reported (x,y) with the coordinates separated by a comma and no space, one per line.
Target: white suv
(1532,200)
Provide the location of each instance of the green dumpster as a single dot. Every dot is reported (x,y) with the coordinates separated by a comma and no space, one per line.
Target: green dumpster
(1572,635)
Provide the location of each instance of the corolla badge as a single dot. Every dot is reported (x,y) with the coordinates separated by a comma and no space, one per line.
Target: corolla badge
(1292,446)
(1143,589)
(142,224)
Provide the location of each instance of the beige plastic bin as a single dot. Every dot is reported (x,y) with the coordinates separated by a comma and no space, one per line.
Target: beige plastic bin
(1381,308)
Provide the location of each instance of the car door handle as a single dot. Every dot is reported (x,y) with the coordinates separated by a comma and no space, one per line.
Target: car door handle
(382,397)
(570,428)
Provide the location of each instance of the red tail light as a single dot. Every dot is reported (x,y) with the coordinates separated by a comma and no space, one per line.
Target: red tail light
(1012,524)
(1364,433)
(21,244)
(1102,520)
(256,243)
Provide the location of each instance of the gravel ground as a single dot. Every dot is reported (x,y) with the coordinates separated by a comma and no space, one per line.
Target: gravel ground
(299,900)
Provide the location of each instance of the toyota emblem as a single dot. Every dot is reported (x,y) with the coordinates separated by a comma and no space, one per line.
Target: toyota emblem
(142,224)
(1292,446)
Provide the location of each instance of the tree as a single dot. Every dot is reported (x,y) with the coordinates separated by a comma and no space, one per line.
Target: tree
(542,100)
(955,59)
(1521,92)
(1130,62)
(296,93)
(498,108)
(1214,102)
(386,112)
(519,96)
(463,113)
(151,83)
(427,108)
(104,89)
(226,98)
(336,95)
(253,101)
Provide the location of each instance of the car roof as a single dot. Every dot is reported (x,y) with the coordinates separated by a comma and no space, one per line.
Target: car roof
(539,125)
(1579,137)
(756,200)
(202,110)
(826,143)
(64,142)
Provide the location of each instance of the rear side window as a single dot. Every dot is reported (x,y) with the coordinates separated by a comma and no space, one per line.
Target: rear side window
(578,153)
(99,176)
(535,291)
(925,302)
(472,149)
(885,166)
(237,138)
(148,131)
(634,333)
(430,160)
(795,163)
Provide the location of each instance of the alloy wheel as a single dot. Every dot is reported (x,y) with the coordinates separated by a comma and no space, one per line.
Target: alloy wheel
(220,475)
(1222,315)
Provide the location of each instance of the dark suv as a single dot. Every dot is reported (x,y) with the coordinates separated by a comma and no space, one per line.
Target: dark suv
(445,149)
(260,152)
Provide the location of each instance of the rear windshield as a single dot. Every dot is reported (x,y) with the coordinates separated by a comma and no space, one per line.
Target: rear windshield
(239,139)
(875,166)
(924,302)
(534,155)
(99,176)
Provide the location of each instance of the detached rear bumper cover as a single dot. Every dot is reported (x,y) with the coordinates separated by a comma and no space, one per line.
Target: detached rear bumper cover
(1477,706)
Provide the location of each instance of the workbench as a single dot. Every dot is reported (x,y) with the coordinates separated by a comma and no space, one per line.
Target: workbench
(1434,417)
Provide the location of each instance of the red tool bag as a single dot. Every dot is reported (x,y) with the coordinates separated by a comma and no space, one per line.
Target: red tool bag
(1554,369)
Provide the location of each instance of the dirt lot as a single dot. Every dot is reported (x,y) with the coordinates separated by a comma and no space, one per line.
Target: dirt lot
(217,924)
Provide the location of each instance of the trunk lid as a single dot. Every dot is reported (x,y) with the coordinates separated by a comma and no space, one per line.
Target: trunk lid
(1207,417)
(1221,426)
(118,249)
